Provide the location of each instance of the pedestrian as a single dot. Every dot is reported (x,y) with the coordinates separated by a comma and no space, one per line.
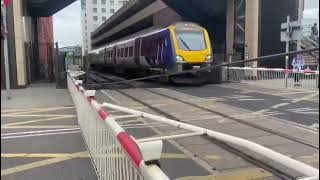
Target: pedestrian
(298,66)
(314,30)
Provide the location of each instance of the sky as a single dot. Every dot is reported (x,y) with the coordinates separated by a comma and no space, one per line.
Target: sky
(67,22)
(67,25)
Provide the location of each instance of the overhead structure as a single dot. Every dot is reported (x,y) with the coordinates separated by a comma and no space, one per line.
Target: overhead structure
(46,8)
(236,27)
(138,15)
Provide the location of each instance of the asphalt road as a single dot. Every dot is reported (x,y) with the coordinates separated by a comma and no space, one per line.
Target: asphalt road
(286,105)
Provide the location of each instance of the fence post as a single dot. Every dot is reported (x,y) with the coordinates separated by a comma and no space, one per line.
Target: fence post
(287,50)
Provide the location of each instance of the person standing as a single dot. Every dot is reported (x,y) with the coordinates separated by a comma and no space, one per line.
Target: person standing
(298,66)
(314,30)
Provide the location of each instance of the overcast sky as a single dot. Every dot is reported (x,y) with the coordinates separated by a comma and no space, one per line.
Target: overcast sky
(67,22)
(67,25)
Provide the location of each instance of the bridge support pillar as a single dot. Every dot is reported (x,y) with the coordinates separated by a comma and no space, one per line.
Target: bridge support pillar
(230,28)
(252,30)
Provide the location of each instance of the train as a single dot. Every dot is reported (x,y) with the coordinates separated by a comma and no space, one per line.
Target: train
(178,47)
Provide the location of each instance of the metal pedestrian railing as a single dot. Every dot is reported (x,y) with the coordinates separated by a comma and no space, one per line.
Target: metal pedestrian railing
(276,77)
(115,154)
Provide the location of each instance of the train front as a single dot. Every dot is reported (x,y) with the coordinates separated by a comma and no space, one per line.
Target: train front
(192,48)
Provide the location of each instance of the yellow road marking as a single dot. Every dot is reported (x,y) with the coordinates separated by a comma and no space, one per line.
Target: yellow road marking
(42,155)
(305,98)
(34,121)
(38,127)
(38,115)
(32,109)
(245,174)
(40,110)
(39,164)
(309,159)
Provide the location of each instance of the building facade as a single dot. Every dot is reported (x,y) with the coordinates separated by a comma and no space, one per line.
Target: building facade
(93,14)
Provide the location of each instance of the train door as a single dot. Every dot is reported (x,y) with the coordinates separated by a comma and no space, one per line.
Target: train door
(137,47)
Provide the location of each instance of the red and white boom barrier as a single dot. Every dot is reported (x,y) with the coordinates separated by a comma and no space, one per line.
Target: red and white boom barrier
(276,77)
(115,154)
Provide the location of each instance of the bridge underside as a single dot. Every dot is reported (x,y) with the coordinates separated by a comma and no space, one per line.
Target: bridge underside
(139,15)
(46,8)
(227,27)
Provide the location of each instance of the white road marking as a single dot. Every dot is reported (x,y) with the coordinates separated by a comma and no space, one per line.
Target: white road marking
(111,97)
(237,96)
(305,110)
(36,135)
(290,93)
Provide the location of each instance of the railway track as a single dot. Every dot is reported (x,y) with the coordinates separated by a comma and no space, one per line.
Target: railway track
(143,96)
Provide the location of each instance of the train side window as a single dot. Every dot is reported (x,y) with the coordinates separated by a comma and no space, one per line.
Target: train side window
(126,52)
(122,52)
(131,51)
(118,53)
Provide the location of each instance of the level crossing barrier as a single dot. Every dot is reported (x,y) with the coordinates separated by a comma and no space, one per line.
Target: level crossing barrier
(115,154)
(277,77)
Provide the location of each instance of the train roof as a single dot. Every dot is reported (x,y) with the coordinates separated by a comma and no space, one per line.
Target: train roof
(143,33)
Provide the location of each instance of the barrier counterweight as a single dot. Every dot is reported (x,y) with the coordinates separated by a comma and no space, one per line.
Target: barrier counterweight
(114,153)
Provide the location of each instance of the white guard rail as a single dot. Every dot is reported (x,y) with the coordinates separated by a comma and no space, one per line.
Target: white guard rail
(115,154)
(307,79)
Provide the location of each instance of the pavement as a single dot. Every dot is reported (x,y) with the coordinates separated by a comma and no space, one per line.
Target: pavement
(40,136)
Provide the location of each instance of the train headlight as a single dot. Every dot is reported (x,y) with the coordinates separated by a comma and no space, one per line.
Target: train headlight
(209,58)
(179,59)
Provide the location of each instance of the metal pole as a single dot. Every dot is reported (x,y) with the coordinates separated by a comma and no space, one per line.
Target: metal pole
(287,50)
(6,57)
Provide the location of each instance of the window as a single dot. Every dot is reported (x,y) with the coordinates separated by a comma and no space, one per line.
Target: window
(126,52)
(118,53)
(95,18)
(103,10)
(103,1)
(122,52)
(112,11)
(104,18)
(95,10)
(191,39)
(94,1)
(125,2)
(120,3)
(111,3)
(131,51)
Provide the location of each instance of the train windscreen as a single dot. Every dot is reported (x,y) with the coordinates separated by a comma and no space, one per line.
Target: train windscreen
(191,39)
